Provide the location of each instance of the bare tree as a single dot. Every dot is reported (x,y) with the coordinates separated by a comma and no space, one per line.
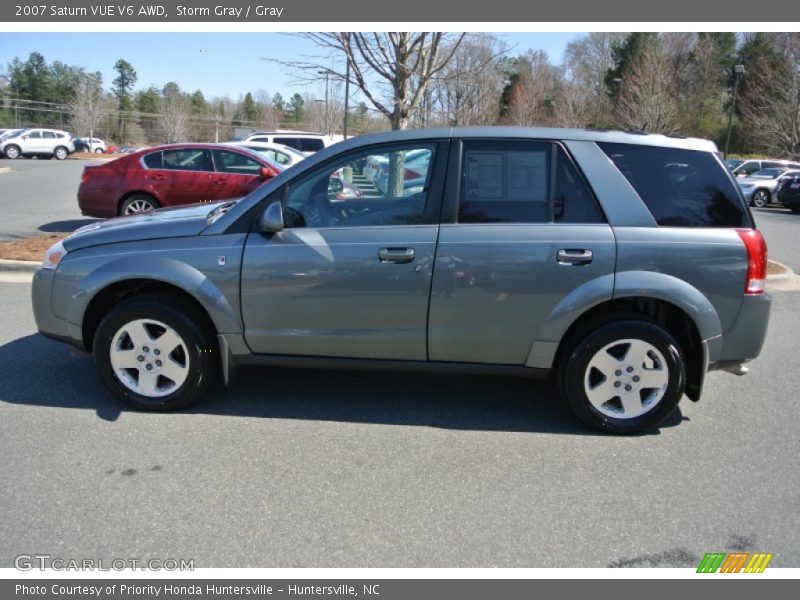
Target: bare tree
(173,112)
(539,96)
(648,99)
(586,62)
(404,63)
(467,91)
(88,104)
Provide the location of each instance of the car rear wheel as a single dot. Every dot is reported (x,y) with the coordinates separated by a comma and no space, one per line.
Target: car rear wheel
(12,152)
(760,198)
(624,376)
(98,150)
(61,153)
(138,203)
(154,353)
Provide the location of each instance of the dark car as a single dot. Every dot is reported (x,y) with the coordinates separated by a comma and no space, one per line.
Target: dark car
(171,175)
(789,191)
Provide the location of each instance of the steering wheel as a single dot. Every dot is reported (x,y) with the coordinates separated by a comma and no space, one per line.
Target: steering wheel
(320,213)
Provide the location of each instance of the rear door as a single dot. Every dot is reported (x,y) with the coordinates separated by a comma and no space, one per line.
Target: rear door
(185,176)
(521,231)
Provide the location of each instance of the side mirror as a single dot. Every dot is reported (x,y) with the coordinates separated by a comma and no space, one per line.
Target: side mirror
(271,220)
(264,173)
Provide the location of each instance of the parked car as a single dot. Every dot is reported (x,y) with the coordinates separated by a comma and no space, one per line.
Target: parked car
(759,189)
(43,143)
(302,141)
(171,175)
(789,191)
(277,153)
(627,264)
(95,145)
(741,167)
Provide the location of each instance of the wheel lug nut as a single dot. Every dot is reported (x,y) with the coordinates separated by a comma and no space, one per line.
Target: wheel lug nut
(617,384)
(617,372)
(628,388)
(140,358)
(146,349)
(629,369)
(156,351)
(636,378)
(158,363)
(149,367)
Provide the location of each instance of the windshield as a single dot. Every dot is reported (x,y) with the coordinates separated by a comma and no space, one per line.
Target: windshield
(768,173)
(11,133)
(732,163)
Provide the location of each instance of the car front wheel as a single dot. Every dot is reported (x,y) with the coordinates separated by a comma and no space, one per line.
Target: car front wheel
(12,152)
(624,376)
(155,353)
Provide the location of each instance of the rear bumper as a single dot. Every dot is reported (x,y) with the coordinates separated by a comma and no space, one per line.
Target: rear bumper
(744,340)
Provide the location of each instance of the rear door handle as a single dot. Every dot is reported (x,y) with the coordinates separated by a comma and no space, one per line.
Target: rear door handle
(574,257)
(396,255)
(158,177)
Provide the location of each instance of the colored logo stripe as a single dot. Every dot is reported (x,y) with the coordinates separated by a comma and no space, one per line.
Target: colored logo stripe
(734,562)
(711,562)
(758,562)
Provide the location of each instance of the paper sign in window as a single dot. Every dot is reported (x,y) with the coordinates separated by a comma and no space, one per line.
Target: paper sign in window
(484,176)
(526,176)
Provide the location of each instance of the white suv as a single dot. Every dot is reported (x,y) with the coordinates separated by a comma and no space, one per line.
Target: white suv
(38,142)
(301,141)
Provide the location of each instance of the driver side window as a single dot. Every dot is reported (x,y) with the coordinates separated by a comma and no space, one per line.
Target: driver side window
(379,187)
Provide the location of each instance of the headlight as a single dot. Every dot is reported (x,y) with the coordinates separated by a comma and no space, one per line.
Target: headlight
(54,255)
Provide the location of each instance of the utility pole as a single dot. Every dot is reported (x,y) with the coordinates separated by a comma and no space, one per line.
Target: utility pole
(327,113)
(738,71)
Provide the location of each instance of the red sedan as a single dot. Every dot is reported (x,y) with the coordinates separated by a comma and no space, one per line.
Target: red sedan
(171,175)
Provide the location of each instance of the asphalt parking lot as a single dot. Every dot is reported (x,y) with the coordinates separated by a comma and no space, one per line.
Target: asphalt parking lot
(347,469)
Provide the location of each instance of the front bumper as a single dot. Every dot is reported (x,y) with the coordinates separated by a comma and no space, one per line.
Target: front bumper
(47,322)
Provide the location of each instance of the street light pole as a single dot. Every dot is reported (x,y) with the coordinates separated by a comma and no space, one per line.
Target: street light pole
(738,71)
(346,98)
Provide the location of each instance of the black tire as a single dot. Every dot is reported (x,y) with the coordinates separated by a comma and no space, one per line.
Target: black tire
(186,321)
(98,151)
(795,209)
(138,198)
(60,153)
(760,198)
(12,152)
(583,346)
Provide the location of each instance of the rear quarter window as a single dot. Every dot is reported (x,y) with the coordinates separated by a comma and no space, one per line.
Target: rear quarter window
(681,188)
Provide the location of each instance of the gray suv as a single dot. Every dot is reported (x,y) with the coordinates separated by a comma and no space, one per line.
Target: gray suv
(628,265)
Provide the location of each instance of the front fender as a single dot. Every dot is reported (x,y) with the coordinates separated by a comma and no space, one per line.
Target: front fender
(161,269)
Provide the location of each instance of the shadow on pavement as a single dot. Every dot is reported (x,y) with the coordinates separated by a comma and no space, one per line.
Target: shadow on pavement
(67,226)
(40,372)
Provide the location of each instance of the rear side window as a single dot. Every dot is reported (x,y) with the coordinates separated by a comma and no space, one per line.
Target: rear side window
(681,188)
(154,161)
(302,144)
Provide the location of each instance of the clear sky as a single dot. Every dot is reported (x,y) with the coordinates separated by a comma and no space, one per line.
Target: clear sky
(217,63)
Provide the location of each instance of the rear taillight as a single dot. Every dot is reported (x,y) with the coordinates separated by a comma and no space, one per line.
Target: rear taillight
(85,175)
(756,260)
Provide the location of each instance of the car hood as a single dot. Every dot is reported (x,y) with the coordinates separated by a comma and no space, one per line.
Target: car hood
(181,221)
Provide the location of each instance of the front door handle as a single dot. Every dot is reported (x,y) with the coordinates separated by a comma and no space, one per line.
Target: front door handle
(574,257)
(396,255)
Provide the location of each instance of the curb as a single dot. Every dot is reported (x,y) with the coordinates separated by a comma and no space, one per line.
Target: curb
(785,276)
(19,266)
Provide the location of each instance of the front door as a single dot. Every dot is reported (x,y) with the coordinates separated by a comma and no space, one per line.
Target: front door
(350,274)
(235,174)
